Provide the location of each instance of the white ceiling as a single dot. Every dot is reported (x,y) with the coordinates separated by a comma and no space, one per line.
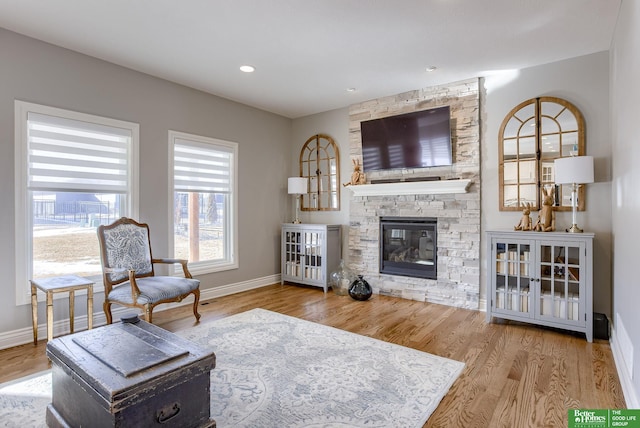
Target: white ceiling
(307,53)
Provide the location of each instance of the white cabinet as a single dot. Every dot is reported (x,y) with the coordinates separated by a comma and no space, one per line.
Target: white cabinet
(544,278)
(310,252)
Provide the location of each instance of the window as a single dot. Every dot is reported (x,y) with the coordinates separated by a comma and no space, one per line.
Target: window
(203,212)
(74,171)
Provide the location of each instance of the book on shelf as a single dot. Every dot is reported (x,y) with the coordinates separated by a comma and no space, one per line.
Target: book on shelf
(500,297)
(574,307)
(513,264)
(524,263)
(501,266)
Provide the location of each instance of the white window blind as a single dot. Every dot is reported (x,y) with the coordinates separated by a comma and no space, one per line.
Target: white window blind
(73,155)
(204,168)
(73,171)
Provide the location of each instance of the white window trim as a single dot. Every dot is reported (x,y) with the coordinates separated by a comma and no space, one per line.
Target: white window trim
(23,263)
(207,267)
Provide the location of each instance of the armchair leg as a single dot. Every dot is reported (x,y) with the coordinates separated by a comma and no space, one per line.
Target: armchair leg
(106,306)
(196,300)
(148,309)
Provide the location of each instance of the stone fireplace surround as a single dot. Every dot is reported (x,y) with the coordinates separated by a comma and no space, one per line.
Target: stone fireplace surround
(454,200)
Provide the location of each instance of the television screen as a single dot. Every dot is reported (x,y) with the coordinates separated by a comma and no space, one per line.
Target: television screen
(419,139)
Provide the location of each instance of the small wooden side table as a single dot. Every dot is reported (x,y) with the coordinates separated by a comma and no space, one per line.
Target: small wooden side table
(59,284)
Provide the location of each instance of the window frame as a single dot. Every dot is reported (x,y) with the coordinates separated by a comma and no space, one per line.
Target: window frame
(23,210)
(538,158)
(231,220)
(320,158)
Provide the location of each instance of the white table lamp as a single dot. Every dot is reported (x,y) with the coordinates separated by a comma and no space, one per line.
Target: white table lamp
(574,170)
(297,186)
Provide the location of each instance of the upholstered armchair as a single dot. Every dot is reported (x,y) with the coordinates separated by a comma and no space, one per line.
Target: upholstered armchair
(128,271)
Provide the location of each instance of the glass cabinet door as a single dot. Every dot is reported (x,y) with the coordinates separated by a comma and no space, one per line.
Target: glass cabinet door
(513,261)
(313,244)
(292,253)
(561,297)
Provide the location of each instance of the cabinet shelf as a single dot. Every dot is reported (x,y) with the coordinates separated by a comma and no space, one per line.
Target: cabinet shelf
(541,278)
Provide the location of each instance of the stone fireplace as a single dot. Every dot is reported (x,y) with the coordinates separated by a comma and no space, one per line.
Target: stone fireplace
(452,199)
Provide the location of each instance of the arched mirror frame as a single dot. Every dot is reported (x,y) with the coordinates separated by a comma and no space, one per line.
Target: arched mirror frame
(320,165)
(531,137)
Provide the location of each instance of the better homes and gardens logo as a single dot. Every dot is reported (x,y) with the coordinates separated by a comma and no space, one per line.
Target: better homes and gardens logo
(604,418)
(588,418)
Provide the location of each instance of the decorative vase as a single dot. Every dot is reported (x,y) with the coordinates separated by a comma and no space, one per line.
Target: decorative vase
(360,289)
(341,279)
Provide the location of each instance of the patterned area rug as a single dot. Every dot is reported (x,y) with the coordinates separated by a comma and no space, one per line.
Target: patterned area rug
(274,370)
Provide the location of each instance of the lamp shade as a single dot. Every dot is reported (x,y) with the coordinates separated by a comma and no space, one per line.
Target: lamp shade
(574,169)
(297,185)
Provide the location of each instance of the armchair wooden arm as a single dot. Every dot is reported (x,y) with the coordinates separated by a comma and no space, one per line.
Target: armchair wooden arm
(135,291)
(182,262)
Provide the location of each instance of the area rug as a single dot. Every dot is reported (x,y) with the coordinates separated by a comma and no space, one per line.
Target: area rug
(274,370)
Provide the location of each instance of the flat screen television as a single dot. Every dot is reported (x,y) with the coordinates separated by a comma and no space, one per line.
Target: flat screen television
(418,139)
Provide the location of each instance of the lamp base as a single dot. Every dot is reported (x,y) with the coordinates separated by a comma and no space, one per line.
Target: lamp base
(574,229)
(297,220)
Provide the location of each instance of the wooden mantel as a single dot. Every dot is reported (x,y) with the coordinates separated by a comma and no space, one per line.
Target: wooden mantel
(412,188)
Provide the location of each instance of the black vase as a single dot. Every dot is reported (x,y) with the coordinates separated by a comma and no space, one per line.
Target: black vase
(360,289)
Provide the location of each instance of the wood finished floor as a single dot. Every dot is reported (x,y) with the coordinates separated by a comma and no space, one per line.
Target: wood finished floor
(516,375)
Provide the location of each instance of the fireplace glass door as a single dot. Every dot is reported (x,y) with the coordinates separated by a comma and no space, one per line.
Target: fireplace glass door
(408,247)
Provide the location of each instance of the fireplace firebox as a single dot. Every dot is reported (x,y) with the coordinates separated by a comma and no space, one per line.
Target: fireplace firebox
(408,246)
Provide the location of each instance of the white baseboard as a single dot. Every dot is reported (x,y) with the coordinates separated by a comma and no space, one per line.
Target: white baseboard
(627,386)
(21,336)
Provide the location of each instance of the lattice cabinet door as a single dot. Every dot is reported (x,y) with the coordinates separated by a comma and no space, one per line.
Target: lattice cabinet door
(292,253)
(562,293)
(512,264)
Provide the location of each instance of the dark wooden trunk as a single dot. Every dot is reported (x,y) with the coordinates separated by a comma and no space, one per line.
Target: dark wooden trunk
(129,375)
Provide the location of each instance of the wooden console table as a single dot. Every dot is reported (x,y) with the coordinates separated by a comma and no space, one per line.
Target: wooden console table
(59,284)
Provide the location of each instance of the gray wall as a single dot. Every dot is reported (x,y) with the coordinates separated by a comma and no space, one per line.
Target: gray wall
(334,123)
(37,72)
(583,81)
(625,116)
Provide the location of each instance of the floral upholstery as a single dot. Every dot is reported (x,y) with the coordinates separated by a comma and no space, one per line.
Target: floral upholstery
(127,247)
(128,274)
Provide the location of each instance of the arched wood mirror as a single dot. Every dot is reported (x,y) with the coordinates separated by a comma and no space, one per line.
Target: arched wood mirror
(531,137)
(320,165)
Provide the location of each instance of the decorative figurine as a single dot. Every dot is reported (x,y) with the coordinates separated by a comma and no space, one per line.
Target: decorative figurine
(525,221)
(357,177)
(546,217)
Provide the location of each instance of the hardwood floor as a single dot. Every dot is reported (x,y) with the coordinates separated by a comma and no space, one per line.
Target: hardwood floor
(516,375)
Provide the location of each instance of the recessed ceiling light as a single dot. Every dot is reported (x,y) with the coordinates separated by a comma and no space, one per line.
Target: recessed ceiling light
(432,68)
(351,89)
(247,68)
